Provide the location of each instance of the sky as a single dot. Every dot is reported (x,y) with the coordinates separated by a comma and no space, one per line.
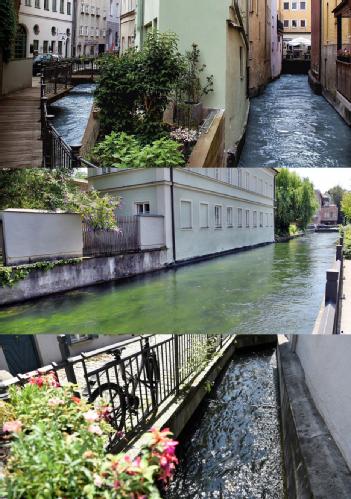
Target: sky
(326,178)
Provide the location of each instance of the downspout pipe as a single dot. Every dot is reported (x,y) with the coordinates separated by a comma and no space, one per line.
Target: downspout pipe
(241,23)
(174,250)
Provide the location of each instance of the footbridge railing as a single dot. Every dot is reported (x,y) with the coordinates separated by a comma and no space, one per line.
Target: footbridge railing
(330,317)
(136,379)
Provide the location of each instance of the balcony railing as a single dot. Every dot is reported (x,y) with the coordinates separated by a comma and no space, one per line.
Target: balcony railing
(343,78)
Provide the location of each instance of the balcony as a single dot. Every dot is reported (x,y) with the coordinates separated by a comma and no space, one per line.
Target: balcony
(343,78)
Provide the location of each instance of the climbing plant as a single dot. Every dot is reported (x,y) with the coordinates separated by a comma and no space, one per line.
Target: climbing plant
(10,275)
(8,27)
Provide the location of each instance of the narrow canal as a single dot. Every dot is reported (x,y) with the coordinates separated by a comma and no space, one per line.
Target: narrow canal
(72,113)
(232,448)
(291,126)
(273,289)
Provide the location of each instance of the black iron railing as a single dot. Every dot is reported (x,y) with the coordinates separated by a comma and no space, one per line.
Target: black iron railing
(136,378)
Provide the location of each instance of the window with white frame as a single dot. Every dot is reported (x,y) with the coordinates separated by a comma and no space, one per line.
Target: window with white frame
(286,23)
(229,216)
(240,178)
(218,216)
(303,5)
(267,220)
(286,5)
(271,216)
(303,23)
(186,219)
(293,5)
(142,208)
(255,183)
(240,218)
(204,216)
(261,186)
(261,219)
(229,175)
(81,30)
(294,23)
(247,218)
(255,219)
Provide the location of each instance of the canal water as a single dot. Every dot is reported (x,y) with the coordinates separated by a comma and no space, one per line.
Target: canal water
(232,448)
(273,289)
(72,113)
(290,126)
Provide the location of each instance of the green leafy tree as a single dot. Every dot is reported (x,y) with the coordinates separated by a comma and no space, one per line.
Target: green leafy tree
(134,89)
(52,190)
(8,27)
(337,193)
(296,201)
(346,206)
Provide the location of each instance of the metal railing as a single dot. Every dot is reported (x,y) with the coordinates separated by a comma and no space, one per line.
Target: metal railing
(56,152)
(58,76)
(119,374)
(112,242)
(330,319)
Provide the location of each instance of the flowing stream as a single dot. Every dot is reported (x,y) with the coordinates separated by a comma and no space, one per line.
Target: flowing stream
(72,113)
(291,126)
(232,448)
(275,289)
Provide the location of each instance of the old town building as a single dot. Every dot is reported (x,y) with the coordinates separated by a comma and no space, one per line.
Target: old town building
(128,17)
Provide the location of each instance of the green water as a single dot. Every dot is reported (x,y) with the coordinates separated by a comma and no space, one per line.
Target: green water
(274,289)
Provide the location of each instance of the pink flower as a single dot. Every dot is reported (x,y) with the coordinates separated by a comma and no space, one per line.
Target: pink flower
(55,401)
(98,481)
(91,416)
(116,484)
(12,426)
(94,428)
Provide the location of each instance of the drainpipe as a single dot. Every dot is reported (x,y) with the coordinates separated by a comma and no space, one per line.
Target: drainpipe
(74,27)
(172,215)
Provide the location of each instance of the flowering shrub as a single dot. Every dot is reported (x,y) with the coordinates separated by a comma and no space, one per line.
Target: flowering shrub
(185,135)
(58,449)
(344,54)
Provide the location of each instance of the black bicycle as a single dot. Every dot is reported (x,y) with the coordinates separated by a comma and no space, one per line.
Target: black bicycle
(123,400)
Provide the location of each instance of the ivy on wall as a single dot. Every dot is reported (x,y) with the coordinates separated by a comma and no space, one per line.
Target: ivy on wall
(8,27)
(10,275)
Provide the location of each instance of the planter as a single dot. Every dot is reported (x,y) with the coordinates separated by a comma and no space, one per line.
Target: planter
(344,58)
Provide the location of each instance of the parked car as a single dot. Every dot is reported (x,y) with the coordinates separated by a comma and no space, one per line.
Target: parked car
(40,60)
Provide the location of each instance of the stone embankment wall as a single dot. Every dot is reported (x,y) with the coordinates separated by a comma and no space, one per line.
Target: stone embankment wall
(89,272)
(315,466)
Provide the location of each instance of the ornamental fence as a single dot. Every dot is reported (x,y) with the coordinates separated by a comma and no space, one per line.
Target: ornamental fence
(137,378)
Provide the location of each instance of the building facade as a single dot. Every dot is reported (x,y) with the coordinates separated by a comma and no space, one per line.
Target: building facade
(328,213)
(91,27)
(45,26)
(331,54)
(277,42)
(260,38)
(296,18)
(206,211)
(113,11)
(128,24)
(225,55)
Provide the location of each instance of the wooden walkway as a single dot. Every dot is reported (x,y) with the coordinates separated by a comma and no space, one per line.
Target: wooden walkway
(20,144)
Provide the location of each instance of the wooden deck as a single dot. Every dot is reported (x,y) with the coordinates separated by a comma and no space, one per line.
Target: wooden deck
(20,144)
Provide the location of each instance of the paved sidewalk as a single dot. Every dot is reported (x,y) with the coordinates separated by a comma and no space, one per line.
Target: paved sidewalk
(20,128)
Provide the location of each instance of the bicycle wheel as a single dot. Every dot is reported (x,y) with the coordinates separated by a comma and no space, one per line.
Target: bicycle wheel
(112,395)
(153,375)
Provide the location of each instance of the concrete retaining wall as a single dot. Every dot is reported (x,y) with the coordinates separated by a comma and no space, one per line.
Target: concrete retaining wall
(314,464)
(33,235)
(87,273)
(91,133)
(17,74)
(209,149)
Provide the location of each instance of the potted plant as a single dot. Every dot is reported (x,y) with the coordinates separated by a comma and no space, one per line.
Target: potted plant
(344,55)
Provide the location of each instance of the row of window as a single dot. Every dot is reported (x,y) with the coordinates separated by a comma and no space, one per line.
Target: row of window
(54,5)
(294,5)
(85,8)
(233,217)
(242,179)
(294,23)
(85,31)
(54,30)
